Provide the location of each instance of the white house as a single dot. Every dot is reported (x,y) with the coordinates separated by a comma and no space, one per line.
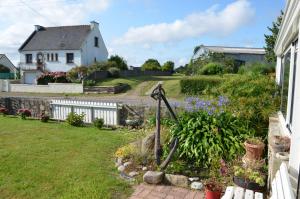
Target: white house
(288,78)
(7,64)
(60,49)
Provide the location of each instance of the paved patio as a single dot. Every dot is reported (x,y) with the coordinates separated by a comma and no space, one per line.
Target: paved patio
(145,191)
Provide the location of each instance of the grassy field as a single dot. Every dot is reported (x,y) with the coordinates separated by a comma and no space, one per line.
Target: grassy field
(143,83)
(54,160)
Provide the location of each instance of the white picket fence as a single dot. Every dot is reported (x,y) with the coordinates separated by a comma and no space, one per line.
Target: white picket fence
(109,112)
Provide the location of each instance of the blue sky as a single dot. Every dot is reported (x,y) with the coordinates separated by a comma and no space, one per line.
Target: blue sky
(142,29)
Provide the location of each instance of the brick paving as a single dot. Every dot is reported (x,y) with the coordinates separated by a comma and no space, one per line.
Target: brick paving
(145,191)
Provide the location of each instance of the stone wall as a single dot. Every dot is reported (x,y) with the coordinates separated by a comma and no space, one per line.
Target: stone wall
(35,105)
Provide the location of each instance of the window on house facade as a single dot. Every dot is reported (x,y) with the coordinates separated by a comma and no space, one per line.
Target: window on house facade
(48,57)
(285,73)
(96,42)
(70,58)
(56,56)
(28,58)
(52,57)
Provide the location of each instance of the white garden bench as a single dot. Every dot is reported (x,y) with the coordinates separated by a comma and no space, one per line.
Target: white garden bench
(240,193)
(281,185)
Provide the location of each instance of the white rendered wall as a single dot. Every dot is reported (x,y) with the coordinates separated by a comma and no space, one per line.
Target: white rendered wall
(90,52)
(50,88)
(52,66)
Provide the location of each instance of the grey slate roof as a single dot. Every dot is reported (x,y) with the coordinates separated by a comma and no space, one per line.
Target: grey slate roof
(236,50)
(56,38)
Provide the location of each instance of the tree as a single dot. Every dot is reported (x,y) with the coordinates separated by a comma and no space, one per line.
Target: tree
(168,66)
(151,64)
(270,40)
(120,61)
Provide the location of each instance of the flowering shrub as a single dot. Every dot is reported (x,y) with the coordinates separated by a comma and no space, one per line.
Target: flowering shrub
(44,117)
(98,123)
(3,111)
(206,131)
(53,77)
(126,151)
(24,113)
(75,119)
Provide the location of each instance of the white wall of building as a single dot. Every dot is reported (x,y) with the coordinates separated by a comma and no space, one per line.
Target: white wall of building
(52,66)
(90,52)
(290,32)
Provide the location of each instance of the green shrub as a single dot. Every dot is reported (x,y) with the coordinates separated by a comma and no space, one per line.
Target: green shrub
(204,136)
(197,85)
(102,66)
(211,69)
(253,98)
(44,117)
(98,123)
(114,72)
(89,83)
(75,119)
(258,68)
(77,72)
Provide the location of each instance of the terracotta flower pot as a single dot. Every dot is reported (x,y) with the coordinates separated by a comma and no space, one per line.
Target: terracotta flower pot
(254,151)
(210,193)
(280,143)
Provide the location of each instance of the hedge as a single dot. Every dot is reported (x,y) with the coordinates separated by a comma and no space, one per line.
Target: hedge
(196,85)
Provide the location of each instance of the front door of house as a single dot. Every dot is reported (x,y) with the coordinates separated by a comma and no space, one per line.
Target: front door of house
(40,60)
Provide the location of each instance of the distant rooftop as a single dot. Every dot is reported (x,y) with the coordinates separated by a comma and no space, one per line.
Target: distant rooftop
(235,50)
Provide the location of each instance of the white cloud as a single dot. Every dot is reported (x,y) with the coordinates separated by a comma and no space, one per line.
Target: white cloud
(21,15)
(212,21)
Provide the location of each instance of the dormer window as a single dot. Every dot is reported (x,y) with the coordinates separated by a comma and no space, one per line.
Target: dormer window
(96,42)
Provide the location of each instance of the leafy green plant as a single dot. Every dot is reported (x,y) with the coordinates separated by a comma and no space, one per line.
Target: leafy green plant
(24,113)
(89,83)
(199,84)
(212,69)
(114,72)
(98,123)
(204,135)
(250,175)
(75,119)
(44,117)
(77,72)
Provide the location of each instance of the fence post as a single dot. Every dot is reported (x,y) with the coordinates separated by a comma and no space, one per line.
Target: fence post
(92,114)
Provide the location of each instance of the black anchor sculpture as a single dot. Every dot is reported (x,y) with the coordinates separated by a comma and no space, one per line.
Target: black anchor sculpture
(158,94)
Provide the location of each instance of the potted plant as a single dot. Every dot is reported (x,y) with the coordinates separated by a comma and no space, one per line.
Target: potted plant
(254,148)
(214,185)
(249,178)
(213,189)
(280,143)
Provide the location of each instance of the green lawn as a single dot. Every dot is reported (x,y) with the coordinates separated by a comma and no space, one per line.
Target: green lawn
(54,160)
(170,84)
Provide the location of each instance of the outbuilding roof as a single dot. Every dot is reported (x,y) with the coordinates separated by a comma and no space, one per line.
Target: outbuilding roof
(236,50)
(56,38)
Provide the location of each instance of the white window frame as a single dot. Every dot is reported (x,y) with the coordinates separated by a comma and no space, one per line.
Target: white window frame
(287,127)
